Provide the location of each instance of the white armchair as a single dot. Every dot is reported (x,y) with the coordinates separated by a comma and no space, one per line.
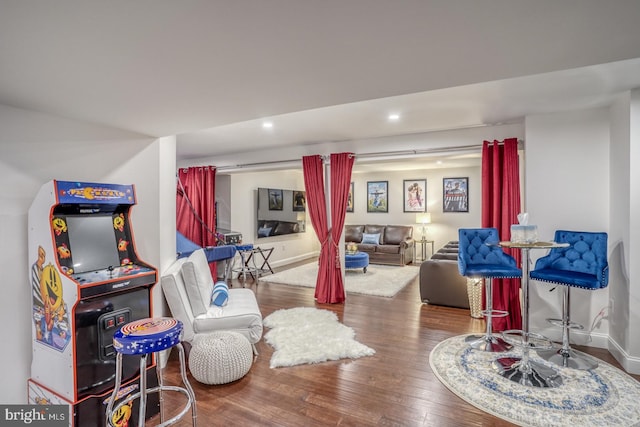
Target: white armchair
(188,286)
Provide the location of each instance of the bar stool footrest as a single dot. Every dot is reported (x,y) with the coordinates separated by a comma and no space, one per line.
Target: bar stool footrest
(494,313)
(560,323)
(534,340)
(157,389)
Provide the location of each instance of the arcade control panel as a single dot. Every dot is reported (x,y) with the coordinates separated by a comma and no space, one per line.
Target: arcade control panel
(114,278)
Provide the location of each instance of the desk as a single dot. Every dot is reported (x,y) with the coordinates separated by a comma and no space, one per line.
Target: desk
(423,244)
(522,370)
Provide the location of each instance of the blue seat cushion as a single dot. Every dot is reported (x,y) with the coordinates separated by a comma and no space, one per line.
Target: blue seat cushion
(147,335)
(492,270)
(567,277)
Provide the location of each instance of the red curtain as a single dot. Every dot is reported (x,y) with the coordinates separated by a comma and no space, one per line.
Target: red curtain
(341,166)
(329,284)
(313,169)
(500,209)
(195,206)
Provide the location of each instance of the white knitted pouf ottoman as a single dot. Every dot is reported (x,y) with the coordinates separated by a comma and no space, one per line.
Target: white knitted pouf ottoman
(220,357)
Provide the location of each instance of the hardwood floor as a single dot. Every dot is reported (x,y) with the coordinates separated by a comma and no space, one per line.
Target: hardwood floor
(395,387)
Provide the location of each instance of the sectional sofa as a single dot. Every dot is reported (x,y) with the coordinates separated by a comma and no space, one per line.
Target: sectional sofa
(440,280)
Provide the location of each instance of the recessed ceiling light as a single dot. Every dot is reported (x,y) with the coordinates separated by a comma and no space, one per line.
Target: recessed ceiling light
(439,162)
(267,125)
(394,117)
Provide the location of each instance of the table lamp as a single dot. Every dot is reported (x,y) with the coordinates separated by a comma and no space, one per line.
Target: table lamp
(423,219)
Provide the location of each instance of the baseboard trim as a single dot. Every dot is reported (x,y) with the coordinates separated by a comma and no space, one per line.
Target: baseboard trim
(629,363)
(297,258)
(598,340)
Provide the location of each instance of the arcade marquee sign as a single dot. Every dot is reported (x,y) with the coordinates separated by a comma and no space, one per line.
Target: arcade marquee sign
(72,192)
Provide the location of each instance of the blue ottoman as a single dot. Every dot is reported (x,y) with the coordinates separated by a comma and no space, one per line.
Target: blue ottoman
(357,260)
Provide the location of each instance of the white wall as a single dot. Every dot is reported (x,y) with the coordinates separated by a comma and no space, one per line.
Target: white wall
(567,179)
(35,148)
(619,261)
(244,189)
(633,300)
(444,225)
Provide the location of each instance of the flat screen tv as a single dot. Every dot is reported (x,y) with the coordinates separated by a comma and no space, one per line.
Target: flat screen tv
(92,241)
(281,212)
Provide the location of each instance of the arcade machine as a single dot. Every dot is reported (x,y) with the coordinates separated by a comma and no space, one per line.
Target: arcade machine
(86,281)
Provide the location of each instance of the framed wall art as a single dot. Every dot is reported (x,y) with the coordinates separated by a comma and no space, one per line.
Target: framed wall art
(350,198)
(275,200)
(455,194)
(377,196)
(299,201)
(414,191)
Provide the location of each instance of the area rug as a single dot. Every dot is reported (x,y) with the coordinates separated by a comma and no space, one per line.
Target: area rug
(379,280)
(605,396)
(306,335)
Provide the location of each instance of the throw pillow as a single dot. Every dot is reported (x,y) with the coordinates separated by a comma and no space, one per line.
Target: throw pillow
(264,232)
(198,281)
(371,239)
(220,294)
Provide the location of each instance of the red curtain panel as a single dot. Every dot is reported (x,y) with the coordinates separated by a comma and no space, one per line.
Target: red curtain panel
(341,166)
(195,206)
(500,209)
(313,169)
(329,284)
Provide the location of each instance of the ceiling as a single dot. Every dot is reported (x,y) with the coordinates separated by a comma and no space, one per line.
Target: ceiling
(212,71)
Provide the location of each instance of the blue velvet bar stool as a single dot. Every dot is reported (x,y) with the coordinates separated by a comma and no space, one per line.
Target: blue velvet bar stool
(142,338)
(583,264)
(480,257)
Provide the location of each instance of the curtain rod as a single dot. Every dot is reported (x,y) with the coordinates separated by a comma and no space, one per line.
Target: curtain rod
(397,153)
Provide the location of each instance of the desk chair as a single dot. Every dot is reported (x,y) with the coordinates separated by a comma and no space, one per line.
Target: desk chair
(480,257)
(582,265)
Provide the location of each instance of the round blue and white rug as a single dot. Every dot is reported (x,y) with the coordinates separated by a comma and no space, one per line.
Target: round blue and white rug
(605,396)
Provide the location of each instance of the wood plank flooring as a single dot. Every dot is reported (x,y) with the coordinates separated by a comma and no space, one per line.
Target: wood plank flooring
(395,387)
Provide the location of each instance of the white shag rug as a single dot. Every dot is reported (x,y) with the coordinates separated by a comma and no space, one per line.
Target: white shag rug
(306,335)
(379,280)
(605,396)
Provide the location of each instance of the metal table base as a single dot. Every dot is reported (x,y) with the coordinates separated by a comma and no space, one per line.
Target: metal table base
(527,373)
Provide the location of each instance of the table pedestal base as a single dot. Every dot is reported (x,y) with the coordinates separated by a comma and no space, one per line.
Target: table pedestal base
(569,358)
(488,343)
(529,374)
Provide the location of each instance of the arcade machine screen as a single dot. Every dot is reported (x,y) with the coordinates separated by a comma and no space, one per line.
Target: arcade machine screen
(93,242)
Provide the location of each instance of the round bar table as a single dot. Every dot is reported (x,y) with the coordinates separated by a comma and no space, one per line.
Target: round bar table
(523,370)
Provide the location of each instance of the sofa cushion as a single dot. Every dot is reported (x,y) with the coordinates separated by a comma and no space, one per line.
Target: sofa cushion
(241,314)
(198,282)
(394,234)
(444,255)
(448,250)
(371,239)
(388,249)
(365,247)
(353,233)
(285,227)
(373,229)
